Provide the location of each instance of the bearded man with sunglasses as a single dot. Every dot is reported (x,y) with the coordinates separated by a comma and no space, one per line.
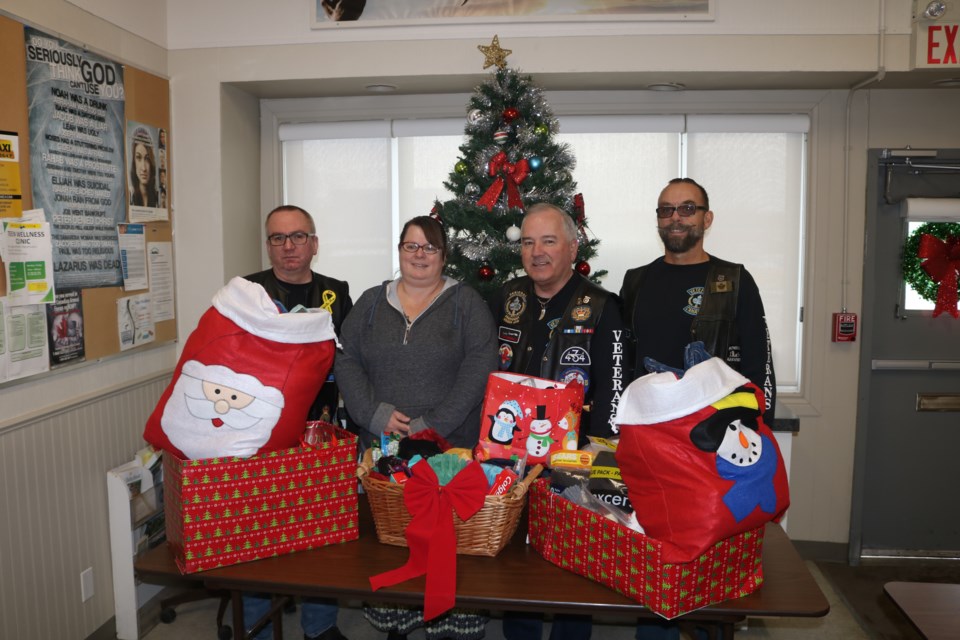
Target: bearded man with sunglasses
(689,295)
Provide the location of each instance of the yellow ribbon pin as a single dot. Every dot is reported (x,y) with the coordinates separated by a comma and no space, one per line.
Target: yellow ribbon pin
(329,297)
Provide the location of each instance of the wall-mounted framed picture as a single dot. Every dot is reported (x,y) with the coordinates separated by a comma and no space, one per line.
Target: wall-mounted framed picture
(377,13)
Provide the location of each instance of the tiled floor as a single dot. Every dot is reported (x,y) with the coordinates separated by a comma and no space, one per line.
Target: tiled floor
(861,589)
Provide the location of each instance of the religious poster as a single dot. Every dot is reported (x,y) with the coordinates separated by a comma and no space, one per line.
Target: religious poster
(331,12)
(76,114)
(147,177)
(65,327)
(11,204)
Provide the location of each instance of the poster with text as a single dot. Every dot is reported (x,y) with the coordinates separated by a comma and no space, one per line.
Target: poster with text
(65,327)
(147,174)
(11,198)
(76,114)
(23,341)
(27,261)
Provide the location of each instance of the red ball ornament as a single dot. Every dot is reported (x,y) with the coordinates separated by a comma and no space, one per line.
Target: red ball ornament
(485,272)
(583,268)
(510,114)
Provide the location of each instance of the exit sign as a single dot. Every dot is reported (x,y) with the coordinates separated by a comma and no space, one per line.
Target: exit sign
(937,45)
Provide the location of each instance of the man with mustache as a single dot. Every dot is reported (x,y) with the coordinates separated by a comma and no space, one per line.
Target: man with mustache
(689,295)
(556,324)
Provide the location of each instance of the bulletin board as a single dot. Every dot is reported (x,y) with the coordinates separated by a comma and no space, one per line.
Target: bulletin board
(146,99)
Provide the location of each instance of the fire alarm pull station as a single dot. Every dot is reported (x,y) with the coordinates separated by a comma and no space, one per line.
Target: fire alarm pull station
(844,327)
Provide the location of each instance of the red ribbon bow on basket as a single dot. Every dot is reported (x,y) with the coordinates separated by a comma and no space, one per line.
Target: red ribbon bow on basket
(941,261)
(510,175)
(430,534)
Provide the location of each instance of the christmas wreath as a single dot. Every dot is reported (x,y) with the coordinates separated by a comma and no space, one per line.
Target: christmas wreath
(931,260)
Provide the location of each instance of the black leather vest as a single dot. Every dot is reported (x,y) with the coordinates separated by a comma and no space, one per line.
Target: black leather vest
(567,355)
(715,324)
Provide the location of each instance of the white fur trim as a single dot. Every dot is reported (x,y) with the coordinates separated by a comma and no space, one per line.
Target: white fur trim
(249,306)
(661,397)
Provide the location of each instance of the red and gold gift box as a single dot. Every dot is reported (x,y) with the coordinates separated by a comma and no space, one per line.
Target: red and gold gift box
(631,563)
(222,511)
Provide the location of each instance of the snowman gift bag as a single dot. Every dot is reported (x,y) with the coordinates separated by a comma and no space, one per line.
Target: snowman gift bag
(527,416)
(699,463)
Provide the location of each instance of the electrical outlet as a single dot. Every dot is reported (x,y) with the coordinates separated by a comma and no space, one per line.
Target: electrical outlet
(86,584)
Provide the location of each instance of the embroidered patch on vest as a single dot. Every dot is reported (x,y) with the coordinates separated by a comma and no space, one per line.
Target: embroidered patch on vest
(506,356)
(507,334)
(580,313)
(574,373)
(694,298)
(575,356)
(514,306)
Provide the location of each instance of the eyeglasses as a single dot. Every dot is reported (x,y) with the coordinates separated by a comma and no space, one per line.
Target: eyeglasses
(685,210)
(298,238)
(413,247)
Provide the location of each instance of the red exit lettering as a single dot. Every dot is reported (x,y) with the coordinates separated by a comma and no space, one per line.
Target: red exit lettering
(935,39)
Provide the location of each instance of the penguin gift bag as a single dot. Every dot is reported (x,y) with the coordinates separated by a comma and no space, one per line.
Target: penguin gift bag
(699,463)
(527,416)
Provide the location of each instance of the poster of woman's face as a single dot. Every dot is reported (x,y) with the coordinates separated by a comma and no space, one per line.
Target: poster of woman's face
(143,181)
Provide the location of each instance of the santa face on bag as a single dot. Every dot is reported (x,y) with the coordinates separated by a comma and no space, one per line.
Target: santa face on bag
(214,411)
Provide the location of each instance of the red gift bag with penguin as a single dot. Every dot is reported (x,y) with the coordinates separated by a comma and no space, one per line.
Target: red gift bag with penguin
(699,463)
(528,416)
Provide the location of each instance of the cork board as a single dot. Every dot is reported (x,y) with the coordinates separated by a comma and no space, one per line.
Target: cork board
(146,100)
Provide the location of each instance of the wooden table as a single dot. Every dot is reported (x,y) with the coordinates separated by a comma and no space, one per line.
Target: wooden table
(518,579)
(934,608)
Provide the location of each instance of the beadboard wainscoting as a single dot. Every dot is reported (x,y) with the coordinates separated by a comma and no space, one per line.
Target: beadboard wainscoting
(53,501)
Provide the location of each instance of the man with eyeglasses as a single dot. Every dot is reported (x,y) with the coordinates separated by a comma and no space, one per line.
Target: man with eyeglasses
(689,295)
(291,283)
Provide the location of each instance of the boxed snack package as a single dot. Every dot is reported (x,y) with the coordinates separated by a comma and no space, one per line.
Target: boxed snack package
(223,511)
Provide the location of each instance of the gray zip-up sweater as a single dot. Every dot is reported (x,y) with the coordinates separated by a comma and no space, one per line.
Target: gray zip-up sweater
(433,369)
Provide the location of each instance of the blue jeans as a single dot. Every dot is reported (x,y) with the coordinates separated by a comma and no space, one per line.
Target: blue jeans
(529,626)
(316,614)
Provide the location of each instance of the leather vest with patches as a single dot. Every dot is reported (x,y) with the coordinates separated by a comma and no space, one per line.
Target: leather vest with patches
(569,346)
(716,321)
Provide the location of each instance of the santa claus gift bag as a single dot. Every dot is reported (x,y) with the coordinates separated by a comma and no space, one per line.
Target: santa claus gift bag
(524,415)
(246,378)
(698,461)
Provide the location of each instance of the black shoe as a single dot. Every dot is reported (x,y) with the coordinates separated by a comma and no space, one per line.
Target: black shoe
(396,635)
(333,633)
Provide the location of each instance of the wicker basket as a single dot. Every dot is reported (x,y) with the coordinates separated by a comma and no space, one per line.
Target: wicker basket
(485,534)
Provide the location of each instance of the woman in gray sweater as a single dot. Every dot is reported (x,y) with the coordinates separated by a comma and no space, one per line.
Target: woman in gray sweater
(417,350)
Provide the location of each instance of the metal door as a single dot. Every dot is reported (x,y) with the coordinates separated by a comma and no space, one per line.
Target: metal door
(906,497)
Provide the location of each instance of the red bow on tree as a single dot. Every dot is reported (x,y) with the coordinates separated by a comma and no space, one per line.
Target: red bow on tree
(509,174)
(430,534)
(941,261)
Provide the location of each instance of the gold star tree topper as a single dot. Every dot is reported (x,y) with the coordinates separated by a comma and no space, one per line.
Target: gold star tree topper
(494,55)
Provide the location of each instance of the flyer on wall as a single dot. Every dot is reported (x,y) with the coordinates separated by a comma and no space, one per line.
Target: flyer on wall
(147,178)
(133,256)
(11,197)
(23,341)
(65,327)
(135,321)
(75,107)
(28,261)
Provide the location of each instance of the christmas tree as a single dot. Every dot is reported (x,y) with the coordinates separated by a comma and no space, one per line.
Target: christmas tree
(509,160)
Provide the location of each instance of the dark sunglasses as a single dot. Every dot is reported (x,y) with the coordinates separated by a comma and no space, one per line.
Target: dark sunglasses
(685,210)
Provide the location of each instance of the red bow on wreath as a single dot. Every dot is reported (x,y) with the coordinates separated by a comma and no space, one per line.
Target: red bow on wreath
(430,534)
(509,174)
(941,261)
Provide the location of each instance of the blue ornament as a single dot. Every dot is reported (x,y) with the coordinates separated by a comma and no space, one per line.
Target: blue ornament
(535,162)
